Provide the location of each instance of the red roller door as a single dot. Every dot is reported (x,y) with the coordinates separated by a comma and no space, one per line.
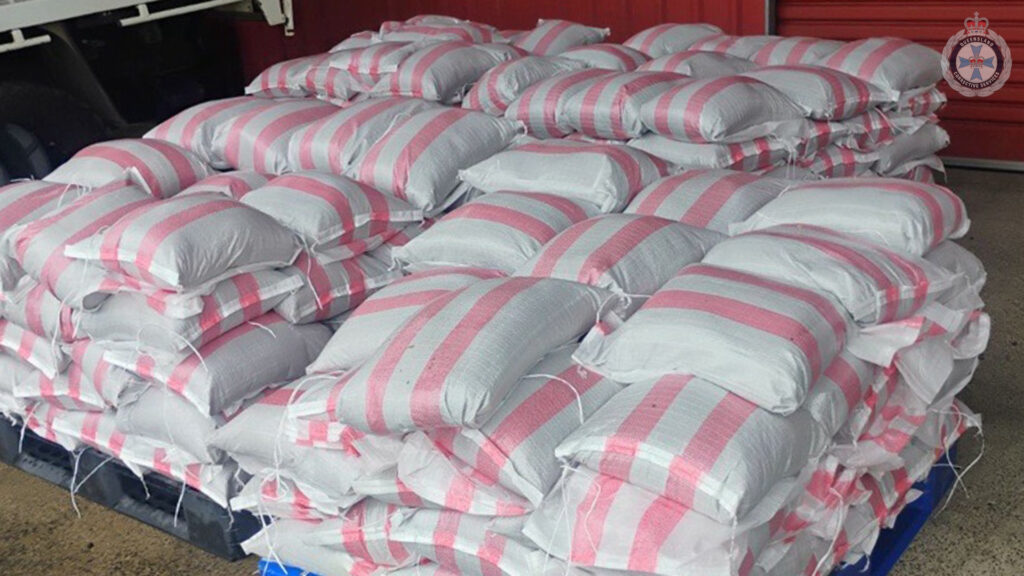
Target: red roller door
(989,128)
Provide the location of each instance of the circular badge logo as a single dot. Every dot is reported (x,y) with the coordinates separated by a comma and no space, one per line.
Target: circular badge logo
(976,60)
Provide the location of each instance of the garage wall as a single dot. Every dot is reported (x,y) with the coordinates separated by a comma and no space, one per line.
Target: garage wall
(989,128)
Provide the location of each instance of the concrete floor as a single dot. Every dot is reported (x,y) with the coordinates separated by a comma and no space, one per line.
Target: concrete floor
(980,533)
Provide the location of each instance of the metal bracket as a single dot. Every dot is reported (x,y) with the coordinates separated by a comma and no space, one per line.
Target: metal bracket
(18,41)
(279,12)
(146,16)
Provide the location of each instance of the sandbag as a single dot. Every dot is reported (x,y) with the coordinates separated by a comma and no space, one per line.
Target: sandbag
(704,308)
(823,93)
(623,253)
(95,381)
(711,199)
(839,162)
(610,107)
(699,65)
(375,60)
(40,245)
(895,64)
(372,322)
(20,203)
(234,184)
(286,540)
(31,306)
(326,210)
(328,290)
(749,156)
(615,57)
(793,50)
(257,139)
(234,367)
(498,231)
(960,261)
(285,79)
(161,168)
(419,159)
(922,101)
(335,142)
(740,46)
(418,381)
(725,109)
(161,415)
(869,131)
(365,532)
(439,72)
(420,30)
(504,83)
(195,128)
(664,39)
(904,216)
(608,175)
(552,37)
(925,142)
(537,107)
(186,243)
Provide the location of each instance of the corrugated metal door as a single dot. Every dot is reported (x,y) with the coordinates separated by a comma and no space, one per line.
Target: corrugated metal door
(989,128)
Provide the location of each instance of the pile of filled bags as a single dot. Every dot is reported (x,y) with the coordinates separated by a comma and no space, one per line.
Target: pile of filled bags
(454,300)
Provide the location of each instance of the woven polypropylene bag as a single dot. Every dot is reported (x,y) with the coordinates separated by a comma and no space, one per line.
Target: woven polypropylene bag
(922,101)
(904,216)
(234,184)
(376,59)
(285,79)
(739,46)
(711,199)
(923,143)
(364,531)
(372,322)
(39,246)
(839,162)
(610,106)
(429,375)
(286,541)
(257,139)
(334,143)
(869,131)
(463,31)
(195,128)
(498,231)
(20,203)
(624,253)
(278,496)
(502,84)
(337,86)
(131,318)
(616,57)
(893,63)
(234,367)
(327,210)
(440,72)
(699,64)
(705,322)
(331,289)
(552,37)
(960,261)
(31,306)
(537,107)
(795,50)
(749,156)
(162,168)
(823,93)
(608,175)
(664,39)
(724,109)
(161,415)
(419,159)
(95,381)
(190,242)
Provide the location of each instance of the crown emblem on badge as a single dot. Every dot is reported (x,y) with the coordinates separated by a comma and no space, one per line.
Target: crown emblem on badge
(976,26)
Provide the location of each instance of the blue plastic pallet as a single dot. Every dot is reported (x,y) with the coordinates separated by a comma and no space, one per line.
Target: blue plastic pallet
(892,543)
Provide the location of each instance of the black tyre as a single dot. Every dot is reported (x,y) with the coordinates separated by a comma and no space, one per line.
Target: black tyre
(22,154)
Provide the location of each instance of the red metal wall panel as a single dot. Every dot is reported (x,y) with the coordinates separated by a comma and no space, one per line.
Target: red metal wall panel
(990,128)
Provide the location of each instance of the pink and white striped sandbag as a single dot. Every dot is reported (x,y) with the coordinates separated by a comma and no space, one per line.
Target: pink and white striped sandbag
(904,216)
(700,65)
(285,79)
(926,170)
(516,446)
(756,154)
(130,318)
(285,541)
(419,159)
(609,107)
(624,253)
(327,210)
(594,520)
(335,85)
(328,290)
(905,148)
(869,131)
(195,128)
(21,203)
(234,184)
(823,93)
(821,135)
(95,381)
(725,109)
(426,375)
(665,39)
(922,101)
(503,84)
(274,495)
(39,246)
(874,284)
(798,331)
(162,168)
(793,50)
(894,64)
(608,175)
(364,532)
(552,37)
(959,261)
(465,31)
(835,161)
(615,57)
(386,251)
(537,107)
(740,46)
(165,417)
(498,231)
(234,367)
(357,40)
(384,486)
(188,243)
(257,139)
(440,72)
(711,199)
(12,372)
(335,142)
(31,306)
(35,388)
(373,321)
